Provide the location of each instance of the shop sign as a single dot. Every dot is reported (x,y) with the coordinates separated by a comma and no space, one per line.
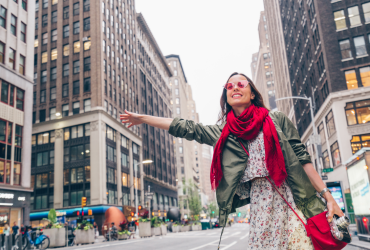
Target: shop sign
(360,188)
(21,198)
(6,196)
(61,213)
(326,170)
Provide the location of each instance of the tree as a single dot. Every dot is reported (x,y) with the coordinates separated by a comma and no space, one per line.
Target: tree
(212,210)
(195,203)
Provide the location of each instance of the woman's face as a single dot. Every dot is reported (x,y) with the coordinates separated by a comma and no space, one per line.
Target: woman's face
(239,97)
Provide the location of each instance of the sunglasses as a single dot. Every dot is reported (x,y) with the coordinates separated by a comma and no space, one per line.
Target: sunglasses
(241,84)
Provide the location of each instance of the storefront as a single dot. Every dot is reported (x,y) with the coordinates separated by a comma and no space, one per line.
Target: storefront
(14,207)
(359,180)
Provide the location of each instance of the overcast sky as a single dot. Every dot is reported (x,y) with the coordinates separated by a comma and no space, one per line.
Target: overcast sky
(213,38)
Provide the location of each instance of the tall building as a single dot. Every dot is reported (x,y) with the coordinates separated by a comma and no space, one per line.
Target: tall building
(85,76)
(207,154)
(279,58)
(262,67)
(188,153)
(16,74)
(327,50)
(155,99)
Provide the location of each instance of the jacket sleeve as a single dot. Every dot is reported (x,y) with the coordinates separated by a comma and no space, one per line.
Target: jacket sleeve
(190,131)
(294,139)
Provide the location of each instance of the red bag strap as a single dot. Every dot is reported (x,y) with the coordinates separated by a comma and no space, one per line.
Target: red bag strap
(273,185)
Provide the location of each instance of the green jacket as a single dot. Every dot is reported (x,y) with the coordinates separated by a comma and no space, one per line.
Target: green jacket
(234,162)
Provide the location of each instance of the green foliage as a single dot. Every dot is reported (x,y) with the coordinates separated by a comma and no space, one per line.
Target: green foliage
(124,232)
(143,220)
(52,216)
(155,222)
(195,203)
(212,210)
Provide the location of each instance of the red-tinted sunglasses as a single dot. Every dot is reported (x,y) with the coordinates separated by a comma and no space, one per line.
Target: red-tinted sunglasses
(241,84)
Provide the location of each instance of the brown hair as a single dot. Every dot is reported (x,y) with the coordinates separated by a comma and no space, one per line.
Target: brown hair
(226,108)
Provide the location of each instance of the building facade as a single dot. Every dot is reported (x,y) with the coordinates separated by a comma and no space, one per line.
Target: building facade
(188,153)
(262,67)
(85,75)
(278,58)
(327,50)
(207,155)
(155,99)
(16,74)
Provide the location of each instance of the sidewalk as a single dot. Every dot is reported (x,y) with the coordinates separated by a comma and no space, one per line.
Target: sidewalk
(359,243)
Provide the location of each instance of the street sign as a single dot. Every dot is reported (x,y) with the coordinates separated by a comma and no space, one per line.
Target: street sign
(324,177)
(149,194)
(149,197)
(327,170)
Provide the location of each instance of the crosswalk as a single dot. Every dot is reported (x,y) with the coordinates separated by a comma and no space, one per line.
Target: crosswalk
(206,233)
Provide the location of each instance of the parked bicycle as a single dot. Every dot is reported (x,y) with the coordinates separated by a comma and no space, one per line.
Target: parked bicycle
(40,241)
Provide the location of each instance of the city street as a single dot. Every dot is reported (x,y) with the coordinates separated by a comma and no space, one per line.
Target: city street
(235,238)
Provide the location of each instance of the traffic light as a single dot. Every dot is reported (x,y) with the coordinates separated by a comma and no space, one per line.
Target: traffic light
(83,201)
(132,214)
(213,212)
(82,213)
(89,212)
(140,207)
(239,214)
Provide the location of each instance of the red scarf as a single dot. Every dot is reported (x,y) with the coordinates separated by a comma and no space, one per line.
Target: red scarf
(246,127)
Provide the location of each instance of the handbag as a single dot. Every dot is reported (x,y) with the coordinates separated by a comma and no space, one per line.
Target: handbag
(318,229)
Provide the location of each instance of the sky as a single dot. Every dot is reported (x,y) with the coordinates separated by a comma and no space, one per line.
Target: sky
(213,38)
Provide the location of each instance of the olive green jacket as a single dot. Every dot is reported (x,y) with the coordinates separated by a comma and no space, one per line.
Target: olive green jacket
(234,162)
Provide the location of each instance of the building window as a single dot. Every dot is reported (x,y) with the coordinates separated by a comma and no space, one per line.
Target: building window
(42,115)
(24,4)
(2,52)
(340,19)
(66,50)
(87,24)
(43,76)
(45,38)
(351,79)
(178,111)
(65,110)
(87,105)
(325,159)
(66,12)
(53,93)
(65,90)
(87,44)
(36,42)
(76,108)
(87,64)
(12,58)
(45,4)
(20,99)
(110,109)
(76,9)
(86,5)
(335,154)
(22,65)
(76,27)
(44,57)
(52,112)
(66,70)
(87,84)
(360,141)
(76,47)
(42,96)
(330,125)
(13,25)
(354,16)
(3,17)
(54,16)
(365,76)
(76,67)
(358,112)
(54,54)
(23,32)
(45,20)
(360,46)
(76,87)
(54,35)
(65,31)
(36,23)
(345,49)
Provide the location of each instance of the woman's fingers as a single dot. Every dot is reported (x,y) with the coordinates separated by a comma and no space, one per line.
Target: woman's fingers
(330,215)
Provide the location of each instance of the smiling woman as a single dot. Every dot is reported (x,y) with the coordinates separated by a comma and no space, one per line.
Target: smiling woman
(254,169)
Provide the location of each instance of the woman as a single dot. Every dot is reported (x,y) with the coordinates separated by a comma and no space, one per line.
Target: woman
(6,230)
(250,145)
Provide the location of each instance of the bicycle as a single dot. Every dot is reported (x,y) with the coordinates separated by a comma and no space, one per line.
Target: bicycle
(41,242)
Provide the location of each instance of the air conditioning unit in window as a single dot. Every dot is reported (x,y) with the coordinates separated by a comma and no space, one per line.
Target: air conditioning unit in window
(85,39)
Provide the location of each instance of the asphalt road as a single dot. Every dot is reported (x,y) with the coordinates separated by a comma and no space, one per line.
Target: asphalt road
(235,238)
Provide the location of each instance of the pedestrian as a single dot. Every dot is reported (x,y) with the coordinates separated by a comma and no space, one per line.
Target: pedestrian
(256,151)
(15,228)
(6,230)
(23,228)
(96,230)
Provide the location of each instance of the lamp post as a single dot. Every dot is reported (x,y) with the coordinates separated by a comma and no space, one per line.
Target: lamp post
(309,99)
(136,201)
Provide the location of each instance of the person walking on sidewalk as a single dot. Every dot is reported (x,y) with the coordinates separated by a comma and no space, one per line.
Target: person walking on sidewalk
(252,144)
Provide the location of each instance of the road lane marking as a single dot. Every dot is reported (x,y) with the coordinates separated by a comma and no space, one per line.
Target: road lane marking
(210,243)
(121,243)
(228,246)
(245,236)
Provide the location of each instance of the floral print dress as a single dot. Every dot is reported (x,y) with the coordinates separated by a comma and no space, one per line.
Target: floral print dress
(273,225)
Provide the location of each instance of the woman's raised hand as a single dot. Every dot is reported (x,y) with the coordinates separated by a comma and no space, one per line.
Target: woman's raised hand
(131,118)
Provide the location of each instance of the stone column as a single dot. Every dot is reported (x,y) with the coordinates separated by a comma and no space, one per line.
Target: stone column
(58,168)
(98,187)
(119,173)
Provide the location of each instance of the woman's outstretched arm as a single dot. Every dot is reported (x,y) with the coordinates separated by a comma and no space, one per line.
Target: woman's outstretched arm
(154,121)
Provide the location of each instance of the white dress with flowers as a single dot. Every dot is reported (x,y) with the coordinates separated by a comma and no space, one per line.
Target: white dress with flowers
(273,225)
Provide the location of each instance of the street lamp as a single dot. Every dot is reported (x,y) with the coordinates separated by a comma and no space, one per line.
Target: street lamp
(309,99)
(136,201)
